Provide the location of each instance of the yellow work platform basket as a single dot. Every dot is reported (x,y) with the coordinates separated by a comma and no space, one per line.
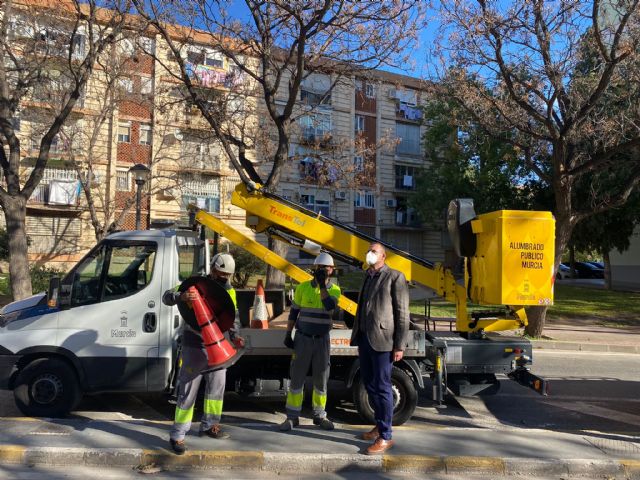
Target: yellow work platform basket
(514,259)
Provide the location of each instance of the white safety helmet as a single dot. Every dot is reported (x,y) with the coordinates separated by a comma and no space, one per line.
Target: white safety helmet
(324,259)
(223,262)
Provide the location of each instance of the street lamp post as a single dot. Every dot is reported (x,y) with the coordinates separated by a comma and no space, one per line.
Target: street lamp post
(141,175)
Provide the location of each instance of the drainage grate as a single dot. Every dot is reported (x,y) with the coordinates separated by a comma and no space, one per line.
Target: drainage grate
(52,429)
(614,447)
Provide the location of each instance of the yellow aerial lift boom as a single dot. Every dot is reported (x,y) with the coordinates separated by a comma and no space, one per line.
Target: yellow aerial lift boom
(512,263)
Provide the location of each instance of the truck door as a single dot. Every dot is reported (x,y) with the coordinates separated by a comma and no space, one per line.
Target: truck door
(189,257)
(112,322)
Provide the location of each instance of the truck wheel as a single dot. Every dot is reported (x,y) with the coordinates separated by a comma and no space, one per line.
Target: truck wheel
(47,387)
(405,397)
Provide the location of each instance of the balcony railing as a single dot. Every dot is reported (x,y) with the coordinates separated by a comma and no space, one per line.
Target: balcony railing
(212,77)
(57,187)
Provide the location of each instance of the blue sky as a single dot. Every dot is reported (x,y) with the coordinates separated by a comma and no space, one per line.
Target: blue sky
(419,64)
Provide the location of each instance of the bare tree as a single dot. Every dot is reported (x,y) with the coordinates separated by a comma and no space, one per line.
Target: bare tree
(48,55)
(562,78)
(275,46)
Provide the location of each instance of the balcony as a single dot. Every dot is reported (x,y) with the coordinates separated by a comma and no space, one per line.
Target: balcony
(58,188)
(214,77)
(313,99)
(316,136)
(408,112)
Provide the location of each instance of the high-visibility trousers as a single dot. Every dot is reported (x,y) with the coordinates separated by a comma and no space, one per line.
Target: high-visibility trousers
(309,351)
(194,360)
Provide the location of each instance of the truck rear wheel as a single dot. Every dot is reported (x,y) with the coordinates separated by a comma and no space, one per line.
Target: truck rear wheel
(47,387)
(405,397)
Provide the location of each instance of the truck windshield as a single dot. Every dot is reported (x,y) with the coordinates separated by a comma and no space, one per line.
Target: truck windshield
(113,271)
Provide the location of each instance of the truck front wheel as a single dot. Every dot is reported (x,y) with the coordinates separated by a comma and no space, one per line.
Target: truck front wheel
(47,387)
(405,397)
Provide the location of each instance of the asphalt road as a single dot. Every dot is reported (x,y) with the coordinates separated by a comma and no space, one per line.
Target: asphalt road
(589,392)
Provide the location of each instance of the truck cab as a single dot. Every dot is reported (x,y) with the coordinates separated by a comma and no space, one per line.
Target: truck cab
(106,329)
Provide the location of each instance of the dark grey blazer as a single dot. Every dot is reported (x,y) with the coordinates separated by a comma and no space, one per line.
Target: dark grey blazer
(386,311)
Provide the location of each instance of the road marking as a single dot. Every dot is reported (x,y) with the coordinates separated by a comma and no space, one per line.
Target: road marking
(591,353)
(595,410)
(574,398)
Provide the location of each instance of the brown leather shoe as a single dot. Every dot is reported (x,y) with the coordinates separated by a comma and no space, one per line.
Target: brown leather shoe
(379,446)
(371,434)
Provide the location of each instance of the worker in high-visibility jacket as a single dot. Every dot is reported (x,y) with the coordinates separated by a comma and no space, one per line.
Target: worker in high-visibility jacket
(194,360)
(313,304)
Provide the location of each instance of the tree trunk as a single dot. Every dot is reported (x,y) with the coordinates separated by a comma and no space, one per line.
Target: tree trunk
(607,269)
(536,317)
(15,211)
(276,278)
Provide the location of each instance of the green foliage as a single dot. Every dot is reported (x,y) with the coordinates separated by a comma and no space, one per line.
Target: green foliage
(466,162)
(608,230)
(40,276)
(4,244)
(246,266)
(601,307)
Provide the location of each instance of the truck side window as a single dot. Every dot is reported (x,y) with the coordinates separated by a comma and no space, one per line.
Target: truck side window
(190,257)
(130,270)
(86,278)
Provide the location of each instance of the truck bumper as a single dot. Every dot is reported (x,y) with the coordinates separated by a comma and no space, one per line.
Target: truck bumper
(7,368)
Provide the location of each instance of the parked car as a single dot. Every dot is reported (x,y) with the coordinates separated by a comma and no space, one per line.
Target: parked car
(587,270)
(597,264)
(563,273)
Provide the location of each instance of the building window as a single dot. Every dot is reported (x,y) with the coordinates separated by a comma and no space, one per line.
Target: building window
(123,182)
(315,126)
(406,177)
(409,136)
(145,135)
(359,124)
(364,200)
(369,91)
(146,85)
(205,58)
(58,145)
(124,132)
(127,46)
(200,153)
(125,85)
(405,215)
(358,163)
(311,202)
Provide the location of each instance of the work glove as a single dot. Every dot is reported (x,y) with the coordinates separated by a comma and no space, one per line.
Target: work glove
(288,340)
(320,275)
(238,342)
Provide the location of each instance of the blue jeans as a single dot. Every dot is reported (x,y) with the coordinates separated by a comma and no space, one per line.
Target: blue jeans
(375,368)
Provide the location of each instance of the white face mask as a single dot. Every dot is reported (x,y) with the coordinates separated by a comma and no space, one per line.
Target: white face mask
(371,258)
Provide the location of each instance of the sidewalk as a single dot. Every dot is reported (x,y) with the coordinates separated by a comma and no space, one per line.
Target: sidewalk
(135,443)
(592,338)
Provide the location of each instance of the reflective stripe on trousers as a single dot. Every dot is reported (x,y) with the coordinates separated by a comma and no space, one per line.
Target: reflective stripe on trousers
(314,352)
(194,360)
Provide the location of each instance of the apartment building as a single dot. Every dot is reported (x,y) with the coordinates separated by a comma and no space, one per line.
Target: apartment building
(355,155)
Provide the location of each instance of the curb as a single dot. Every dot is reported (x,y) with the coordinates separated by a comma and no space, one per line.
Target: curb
(305,463)
(584,347)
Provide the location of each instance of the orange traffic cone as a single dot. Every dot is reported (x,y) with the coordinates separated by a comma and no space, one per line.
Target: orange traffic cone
(260,314)
(220,353)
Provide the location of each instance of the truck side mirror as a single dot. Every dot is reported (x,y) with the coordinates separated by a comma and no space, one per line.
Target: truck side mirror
(63,296)
(53,292)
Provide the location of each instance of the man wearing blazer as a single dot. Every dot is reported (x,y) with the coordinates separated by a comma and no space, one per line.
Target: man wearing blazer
(380,331)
